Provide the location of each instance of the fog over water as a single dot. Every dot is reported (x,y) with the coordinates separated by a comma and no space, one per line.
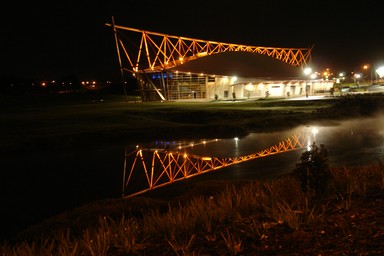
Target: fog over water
(349,143)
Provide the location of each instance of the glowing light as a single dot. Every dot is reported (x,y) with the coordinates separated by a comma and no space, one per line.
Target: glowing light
(315,130)
(380,71)
(249,87)
(307,71)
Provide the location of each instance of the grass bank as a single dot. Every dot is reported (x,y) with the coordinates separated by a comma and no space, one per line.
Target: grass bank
(252,218)
(61,122)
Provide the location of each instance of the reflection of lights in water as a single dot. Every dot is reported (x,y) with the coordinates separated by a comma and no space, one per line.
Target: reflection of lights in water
(309,145)
(236,141)
(314,131)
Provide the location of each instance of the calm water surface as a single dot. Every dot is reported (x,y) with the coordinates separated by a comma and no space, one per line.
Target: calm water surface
(35,185)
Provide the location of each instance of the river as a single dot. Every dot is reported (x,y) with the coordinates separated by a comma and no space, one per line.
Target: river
(39,185)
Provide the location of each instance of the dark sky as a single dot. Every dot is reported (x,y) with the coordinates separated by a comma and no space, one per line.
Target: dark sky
(65,38)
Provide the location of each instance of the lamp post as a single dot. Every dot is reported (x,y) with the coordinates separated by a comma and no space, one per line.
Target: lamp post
(367,66)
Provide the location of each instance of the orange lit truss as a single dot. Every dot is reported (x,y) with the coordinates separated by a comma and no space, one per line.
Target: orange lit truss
(152,169)
(156,51)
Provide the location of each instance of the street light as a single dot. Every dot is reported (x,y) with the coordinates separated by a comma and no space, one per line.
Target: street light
(307,71)
(367,66)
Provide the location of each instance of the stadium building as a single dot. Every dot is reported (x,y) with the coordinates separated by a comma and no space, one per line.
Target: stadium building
(174,68)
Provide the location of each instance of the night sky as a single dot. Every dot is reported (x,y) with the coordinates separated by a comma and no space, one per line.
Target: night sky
(63,38)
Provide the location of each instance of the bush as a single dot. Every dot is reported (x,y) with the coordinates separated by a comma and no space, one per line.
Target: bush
(313,170)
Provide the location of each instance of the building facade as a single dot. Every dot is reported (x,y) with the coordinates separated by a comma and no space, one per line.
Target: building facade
(186,86)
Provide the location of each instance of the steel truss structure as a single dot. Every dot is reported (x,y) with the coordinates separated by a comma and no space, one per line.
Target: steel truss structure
(150,169)
(156,52)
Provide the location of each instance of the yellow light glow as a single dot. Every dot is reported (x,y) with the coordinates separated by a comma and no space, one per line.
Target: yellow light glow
(249,87)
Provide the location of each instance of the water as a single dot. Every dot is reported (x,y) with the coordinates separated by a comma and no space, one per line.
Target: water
(38,185)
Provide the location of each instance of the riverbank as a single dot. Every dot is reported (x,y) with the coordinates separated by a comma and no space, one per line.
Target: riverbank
(77,122)
(76,126)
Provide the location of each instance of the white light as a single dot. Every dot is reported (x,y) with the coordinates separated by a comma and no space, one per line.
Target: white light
(380,71)
(307,71)
(314,131)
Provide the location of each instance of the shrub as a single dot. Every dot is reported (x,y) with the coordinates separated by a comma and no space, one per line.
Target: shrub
(313,171)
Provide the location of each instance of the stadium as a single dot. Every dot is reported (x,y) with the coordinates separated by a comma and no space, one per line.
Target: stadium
(176,68)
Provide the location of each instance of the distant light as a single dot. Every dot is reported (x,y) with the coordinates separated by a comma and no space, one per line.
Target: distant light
(380,71)
(307,71)
(313,76)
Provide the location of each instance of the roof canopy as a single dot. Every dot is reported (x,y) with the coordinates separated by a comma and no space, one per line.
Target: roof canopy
(241,64)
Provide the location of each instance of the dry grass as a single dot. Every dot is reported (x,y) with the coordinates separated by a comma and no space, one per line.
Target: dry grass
(224,221)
